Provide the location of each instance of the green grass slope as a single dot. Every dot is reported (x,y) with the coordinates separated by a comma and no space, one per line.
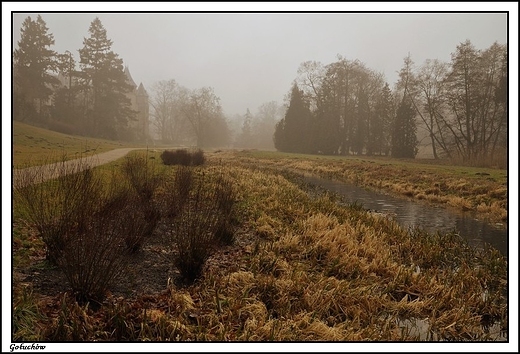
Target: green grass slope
(35,146)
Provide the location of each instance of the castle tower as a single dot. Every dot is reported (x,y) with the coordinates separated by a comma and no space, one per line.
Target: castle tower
(139,103)
(143,108)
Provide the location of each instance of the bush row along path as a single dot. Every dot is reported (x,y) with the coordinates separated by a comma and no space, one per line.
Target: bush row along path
(51,171)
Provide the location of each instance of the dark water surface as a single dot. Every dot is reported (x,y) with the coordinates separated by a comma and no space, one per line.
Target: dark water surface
(409,213)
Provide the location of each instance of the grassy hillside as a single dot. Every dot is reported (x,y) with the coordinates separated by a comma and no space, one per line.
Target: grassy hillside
(34,146)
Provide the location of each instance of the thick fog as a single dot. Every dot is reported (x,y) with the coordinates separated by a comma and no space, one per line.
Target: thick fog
(252,58)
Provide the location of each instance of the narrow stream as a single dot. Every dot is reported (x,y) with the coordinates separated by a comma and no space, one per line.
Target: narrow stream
(410,213)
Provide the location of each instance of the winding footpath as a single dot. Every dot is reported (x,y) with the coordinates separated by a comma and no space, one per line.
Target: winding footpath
(38,174)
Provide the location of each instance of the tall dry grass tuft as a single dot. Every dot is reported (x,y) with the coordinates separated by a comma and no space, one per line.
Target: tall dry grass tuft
(26,315)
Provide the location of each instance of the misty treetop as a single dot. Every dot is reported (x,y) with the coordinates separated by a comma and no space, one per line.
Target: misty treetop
(33,63)
(188,117)
(50,91)
(194,117)
(459,108)
(255,130)
(108,109)
(100,99)
(340,108)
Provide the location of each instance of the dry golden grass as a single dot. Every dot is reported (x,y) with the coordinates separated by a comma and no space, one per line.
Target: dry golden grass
(313,271)
(463,187)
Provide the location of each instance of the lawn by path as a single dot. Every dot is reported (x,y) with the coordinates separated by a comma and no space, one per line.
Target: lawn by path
(39,174)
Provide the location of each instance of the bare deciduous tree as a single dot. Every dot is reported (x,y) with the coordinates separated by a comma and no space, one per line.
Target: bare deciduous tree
(167,116)
(202,110)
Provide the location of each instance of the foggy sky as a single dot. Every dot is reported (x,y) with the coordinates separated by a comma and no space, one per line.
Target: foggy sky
(252,58)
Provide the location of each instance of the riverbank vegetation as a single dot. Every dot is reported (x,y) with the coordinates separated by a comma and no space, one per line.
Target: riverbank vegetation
(482,190)
(282,265)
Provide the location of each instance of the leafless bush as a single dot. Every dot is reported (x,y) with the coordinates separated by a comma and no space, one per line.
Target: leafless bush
(94,255)
(178,191)
(58,206)
(87,226)
(183,157)
(193,234)
(198,158)
(195,230)
(177,157)
(144,180)
(142,175)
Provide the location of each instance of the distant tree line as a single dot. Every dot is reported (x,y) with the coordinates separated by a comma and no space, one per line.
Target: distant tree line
(346,108)
(194,117)
(256,131)
(188,117)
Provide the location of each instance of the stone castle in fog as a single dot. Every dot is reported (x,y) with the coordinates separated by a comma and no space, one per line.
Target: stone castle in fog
(139,98)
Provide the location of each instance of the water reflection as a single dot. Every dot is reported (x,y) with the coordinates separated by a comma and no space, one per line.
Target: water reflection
(409,213)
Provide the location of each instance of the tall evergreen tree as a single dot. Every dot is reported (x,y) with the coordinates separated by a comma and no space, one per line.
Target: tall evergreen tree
(67,110)
(34,62)
(292,133)
(246,135)
(404,133)
(362,118)
(404,137)
(279,141)
(108,109)
(381,132)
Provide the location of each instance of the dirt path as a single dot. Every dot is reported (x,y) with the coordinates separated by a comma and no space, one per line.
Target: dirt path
(37,174)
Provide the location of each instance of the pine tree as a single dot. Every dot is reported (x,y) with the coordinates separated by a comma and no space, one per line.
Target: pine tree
(246,136)
(404,137)
(34,62)
(362,114)
(292,133)
(380,132)
(404,133)
(108,109)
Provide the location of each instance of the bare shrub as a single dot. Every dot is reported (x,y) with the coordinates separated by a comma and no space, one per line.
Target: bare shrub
(58,206)
(193,233)
(177,157)
(144,180)
(183,157)
(178,191)
(201,224)
(198,158)
(96,254)
(87,227)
